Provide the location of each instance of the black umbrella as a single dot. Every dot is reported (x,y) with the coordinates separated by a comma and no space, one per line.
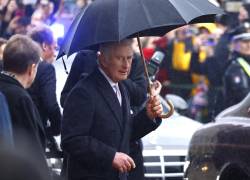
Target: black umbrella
(113,20)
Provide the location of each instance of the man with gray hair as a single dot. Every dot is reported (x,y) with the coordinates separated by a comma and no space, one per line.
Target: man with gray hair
(97,125)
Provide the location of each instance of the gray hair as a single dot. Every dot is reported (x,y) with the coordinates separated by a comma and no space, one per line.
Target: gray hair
(106,48)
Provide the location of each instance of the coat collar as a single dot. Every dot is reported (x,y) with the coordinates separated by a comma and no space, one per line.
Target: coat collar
(10,80)
(109,96)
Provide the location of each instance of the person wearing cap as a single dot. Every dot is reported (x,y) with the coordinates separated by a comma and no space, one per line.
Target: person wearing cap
(236,79)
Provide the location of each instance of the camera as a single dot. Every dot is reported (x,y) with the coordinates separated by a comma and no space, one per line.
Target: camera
(155,63)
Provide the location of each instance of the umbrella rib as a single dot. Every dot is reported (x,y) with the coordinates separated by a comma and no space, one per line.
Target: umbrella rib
(173,4)
(144,10)
(190,4)
(195,7)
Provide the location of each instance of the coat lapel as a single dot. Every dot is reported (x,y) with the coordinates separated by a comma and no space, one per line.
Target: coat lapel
(109,96)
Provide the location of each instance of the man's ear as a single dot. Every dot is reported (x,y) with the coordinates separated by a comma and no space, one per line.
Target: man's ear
(44,46)
(31,69)
(102,59)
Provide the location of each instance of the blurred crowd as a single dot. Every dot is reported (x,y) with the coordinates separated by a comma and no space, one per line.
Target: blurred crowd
(198,59)
(18,16)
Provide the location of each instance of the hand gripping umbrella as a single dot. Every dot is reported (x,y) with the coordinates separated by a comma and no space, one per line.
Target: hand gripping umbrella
(114,20)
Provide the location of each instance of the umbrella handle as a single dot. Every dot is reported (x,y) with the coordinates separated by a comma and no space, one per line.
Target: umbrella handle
(171,110)
(171,106)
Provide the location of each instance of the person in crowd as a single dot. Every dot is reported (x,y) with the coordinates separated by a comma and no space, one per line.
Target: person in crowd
(43,90)
(7,13)
(178,57)
(97,125)
(6,137)
(20,61)
(236,80)
(244,12)
(84,63)
(214,67)
(2,46)
(18,25)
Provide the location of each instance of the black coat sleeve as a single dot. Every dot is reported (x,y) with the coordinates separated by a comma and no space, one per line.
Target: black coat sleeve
(84,62)
(49,99)
(142,125)
(235,84)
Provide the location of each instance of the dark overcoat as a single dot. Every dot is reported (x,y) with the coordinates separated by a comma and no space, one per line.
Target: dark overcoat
(28,132)
(43,93)
(95,127)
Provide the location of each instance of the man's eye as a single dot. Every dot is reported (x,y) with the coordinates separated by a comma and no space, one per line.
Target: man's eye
(119,58)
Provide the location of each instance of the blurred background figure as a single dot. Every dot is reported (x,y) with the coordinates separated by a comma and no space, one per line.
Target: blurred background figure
(7,13)
(6,131)
(19,165)
(2,46)
(236,80)
(178,58)
(45,9)
(17,75)
(43,90)
(18,25)
(244,12)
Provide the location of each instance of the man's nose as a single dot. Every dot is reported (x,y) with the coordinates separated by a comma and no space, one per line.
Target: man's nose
(126,62)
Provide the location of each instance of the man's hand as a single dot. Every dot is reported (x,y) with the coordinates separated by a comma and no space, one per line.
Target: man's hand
(122,162)
(156,88)
(154,107)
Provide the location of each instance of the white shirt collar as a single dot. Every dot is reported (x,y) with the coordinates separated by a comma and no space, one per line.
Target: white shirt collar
(112,83)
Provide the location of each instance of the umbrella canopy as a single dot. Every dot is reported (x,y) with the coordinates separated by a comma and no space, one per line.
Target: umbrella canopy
(114,20)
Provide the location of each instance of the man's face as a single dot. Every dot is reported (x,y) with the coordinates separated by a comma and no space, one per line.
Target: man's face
(1,51)
(243,14)
(243,47)
(49,52)
(117,65)
(32,74)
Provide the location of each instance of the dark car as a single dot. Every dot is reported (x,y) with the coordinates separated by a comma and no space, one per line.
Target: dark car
(221,150)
